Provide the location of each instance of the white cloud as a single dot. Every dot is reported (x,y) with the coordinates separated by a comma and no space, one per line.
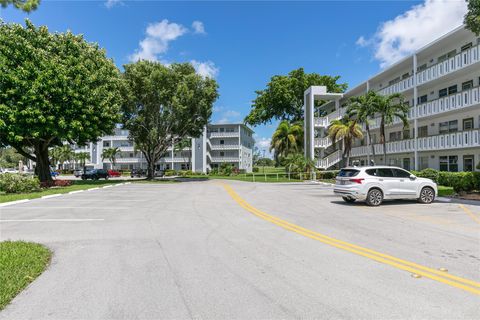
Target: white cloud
(205,69)
(263,145)
(112,3)
(158,37)
(227,116)
(414,29)
(198,27)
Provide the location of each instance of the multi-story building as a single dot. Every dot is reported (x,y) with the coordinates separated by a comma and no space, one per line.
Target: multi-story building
(441,84)
(219,143)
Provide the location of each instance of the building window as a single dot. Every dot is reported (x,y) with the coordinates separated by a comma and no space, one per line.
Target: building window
(222,154)
(222,129)
(106,144)
(466,47)
(395,136)
(467,85)
(452,89)
(222,141)
(423,131)
(448,126)
(406,134)
(423,163)
(468,162)
(468,124)
(449,163)
(406,163)
(443,93)
(422,99)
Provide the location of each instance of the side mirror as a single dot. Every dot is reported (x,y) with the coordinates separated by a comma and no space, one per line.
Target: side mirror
(412,177)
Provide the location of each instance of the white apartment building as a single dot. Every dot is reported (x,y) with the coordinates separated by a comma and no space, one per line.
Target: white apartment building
(441,84)
(219,143)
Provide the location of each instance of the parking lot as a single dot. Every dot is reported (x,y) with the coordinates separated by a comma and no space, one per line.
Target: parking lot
(226,249)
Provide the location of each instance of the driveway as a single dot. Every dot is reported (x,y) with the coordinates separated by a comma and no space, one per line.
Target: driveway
(235,250)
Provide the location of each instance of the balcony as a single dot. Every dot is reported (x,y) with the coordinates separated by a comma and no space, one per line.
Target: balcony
(329,160)
(322,142)
(457,62)
(463,99)
(225,159)
(455,140)
(223,134)
(398,87)
(325,121)
(224,146)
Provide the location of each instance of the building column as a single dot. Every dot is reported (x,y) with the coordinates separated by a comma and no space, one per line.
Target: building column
(204,146)
(192,155)
(173,154)
(368,137)
(415,115)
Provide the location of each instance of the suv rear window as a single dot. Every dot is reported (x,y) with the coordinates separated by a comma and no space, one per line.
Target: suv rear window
(348,173)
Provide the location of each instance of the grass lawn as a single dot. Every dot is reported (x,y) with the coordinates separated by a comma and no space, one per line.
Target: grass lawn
(20,263)
(445,191)
(78,185)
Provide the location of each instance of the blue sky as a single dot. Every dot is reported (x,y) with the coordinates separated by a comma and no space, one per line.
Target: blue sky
(243,44)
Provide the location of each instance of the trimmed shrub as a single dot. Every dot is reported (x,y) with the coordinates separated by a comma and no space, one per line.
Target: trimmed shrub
(255,169)
(56,183)
(169,173)
(429,174)
(18,183)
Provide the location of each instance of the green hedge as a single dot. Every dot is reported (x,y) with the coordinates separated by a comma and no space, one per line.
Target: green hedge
(323,175)
(459,181)
(18,183)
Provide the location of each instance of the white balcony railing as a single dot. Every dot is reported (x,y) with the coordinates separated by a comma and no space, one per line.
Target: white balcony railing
(224,146)
(322,142)
(223,134)
(329,160)
(225,159)
(457,62)
(438,106)
(456,140)
(325,121)
(400,86)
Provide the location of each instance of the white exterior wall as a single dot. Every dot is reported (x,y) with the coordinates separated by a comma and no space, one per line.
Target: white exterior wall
(415,80)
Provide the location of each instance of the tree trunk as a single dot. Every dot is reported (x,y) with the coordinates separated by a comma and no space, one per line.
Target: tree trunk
(42,168)
(150,167)
(383,140)
(367,127)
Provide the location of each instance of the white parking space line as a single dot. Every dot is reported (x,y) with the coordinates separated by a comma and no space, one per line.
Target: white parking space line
(52,196)
(50,220)
(73,192)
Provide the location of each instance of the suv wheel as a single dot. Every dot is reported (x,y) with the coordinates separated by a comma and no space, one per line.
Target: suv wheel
(349,200)
(374,197)
(427,195)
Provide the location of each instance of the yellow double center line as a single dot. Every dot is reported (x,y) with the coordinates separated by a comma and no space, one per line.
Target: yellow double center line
(437,275)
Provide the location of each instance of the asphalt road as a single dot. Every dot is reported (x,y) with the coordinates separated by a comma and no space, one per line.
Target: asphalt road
(208,250)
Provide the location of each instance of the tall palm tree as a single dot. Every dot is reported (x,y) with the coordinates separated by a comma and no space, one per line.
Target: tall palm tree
(389,107)
(111,155)
(348,130)
(297,162)
(363,108)
(82,157)
(287,138)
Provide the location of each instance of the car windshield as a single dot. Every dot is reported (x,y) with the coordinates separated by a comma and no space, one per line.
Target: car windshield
(348,173)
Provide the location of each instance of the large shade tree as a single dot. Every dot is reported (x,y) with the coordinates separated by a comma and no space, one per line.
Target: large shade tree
(287,139)
(54,87)
(25,5)
(164,105)
(472,18)
(282,99)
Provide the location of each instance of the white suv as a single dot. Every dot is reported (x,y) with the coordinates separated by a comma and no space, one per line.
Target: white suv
(376,183)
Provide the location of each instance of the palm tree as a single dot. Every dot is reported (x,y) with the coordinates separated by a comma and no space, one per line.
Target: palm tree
(363,108)
(82,157)
(345,129)
(297,162)
(389,107)
(181,146)
(111,155)
(287,138)
(61,154)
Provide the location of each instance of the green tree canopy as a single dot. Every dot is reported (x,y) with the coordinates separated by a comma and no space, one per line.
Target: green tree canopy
(25,5)
(348,130)
(111,154)
(472,18)
(164,105)
(282,99)
(54,87)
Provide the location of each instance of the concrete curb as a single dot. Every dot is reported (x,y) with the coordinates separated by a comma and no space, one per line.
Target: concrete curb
(13,202)
(51,196)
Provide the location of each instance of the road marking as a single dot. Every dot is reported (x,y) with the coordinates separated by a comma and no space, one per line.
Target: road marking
(446,278)
(470,213)
(77,191)
(50,220)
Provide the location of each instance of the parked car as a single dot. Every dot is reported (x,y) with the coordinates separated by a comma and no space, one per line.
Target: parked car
(77,173)
(138,173)
(95,174)
(373,184)
(8,170)
(114,173)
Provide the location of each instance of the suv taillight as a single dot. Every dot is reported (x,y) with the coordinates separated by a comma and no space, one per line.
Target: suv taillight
(358,180)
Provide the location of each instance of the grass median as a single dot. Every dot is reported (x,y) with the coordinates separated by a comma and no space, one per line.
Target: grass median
(77,185)
(20,263)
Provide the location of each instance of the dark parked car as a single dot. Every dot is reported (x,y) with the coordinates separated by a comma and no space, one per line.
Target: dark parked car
(95,174)
(138,173)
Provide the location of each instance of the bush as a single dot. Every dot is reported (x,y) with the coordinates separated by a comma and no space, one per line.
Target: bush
(459,181)
(255,169)
(56,183)
(18,183)
(429,174)
(186,173)
(322,175)
(169,173)
(226,169)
